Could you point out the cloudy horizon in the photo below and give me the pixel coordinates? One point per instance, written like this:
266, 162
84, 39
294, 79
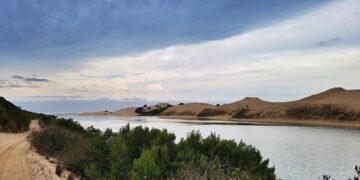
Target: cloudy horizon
158, 50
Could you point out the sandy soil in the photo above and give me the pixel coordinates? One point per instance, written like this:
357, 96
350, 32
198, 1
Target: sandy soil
130, 111
276, 122
314, 123
189, 109
18, 161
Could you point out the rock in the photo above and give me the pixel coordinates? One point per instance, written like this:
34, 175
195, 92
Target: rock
53, 160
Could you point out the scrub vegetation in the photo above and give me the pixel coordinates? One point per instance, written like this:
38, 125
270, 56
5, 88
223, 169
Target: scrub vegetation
13, 118
143, 153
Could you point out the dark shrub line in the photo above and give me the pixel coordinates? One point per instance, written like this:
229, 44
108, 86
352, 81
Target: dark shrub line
327, 111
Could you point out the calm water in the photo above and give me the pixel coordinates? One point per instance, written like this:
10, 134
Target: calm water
297, 152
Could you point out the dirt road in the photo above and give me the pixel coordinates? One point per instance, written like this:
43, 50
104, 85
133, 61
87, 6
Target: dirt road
18, 161
13, 157
14, 149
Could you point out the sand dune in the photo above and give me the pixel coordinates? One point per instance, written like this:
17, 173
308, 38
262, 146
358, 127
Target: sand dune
130, 111
190, 109
253, 103
338, 96
99, 113
254, 107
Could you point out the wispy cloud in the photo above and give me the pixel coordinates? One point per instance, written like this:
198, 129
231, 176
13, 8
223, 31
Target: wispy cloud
328, 42
84, 90
9, 84
30, 79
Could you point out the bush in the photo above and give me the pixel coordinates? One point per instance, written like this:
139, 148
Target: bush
327, 111
211, 112
145, 167
69, 124
54, 139
143, 153
152, 110
241, 112
13, 118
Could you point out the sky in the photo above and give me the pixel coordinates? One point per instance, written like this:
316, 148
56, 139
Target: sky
77, 52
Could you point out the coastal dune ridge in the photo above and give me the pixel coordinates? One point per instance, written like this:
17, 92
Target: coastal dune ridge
337, 107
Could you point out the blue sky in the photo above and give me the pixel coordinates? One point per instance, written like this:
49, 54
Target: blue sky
220, 50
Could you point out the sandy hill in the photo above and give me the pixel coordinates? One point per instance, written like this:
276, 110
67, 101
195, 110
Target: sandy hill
190, 109
130, 111
316, 98
338, 96
252, 103
252, 107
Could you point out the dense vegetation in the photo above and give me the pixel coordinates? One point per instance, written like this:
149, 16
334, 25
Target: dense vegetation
326, 111
211, 112
13, 118
143, 153
152, 110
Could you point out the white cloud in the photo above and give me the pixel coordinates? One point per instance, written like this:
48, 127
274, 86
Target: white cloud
155, 87
284, 57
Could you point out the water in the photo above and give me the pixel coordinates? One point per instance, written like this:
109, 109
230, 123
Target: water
298, 153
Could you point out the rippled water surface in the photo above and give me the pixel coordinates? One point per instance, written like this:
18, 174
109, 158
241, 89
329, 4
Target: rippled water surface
297, 152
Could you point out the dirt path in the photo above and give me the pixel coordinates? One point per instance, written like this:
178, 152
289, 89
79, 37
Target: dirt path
13, 155
13, 161
18, 161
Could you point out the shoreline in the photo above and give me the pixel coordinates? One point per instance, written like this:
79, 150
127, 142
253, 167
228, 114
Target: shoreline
278, 122
253, 121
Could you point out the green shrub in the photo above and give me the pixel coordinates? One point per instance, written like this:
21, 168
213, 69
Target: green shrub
145, 167
327, 111
54, 139
211, 112
13, 118
69, 124
241, 112
143, 153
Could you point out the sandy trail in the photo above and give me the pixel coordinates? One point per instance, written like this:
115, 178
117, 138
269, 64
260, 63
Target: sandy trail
13, 161
13, 155
18, 161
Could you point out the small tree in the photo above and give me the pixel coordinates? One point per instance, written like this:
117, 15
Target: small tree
145, 167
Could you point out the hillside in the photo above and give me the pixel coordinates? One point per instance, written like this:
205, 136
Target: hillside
190, 109
130, 111
336, 103
339, 96
13, 118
